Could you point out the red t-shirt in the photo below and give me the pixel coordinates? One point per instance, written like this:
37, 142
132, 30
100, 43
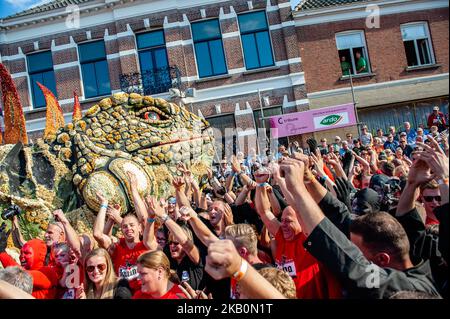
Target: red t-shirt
312, 280
171, 294
125, 262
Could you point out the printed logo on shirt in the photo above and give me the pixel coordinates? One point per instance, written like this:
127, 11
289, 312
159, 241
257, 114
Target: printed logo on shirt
128, 272
69, 294
185, 276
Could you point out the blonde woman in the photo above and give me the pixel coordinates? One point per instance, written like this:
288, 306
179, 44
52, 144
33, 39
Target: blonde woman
101, 281
158, 281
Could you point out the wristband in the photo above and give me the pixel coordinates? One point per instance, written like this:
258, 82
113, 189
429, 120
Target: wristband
150, 220
264, 184
442, 181
165, 218
105, 206
238, 275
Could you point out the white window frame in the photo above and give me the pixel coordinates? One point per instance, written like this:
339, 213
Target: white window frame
430, 45
366, 53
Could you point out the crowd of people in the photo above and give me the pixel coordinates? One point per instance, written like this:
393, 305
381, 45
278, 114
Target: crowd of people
363, 217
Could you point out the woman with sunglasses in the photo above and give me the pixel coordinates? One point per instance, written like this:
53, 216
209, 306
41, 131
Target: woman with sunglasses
184, 256
158, 281
100, 279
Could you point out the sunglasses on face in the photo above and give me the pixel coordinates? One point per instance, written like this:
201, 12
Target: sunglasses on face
100, 267
430, 198
175, 243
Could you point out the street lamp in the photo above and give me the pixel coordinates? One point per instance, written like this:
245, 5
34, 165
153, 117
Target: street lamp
358, 125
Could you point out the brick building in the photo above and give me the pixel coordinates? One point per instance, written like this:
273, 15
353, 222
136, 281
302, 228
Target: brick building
230, 52
406, 58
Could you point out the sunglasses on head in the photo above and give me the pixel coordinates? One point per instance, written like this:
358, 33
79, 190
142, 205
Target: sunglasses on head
430, 198
100, 267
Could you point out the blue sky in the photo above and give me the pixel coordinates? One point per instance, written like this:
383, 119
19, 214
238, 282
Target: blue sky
8, 7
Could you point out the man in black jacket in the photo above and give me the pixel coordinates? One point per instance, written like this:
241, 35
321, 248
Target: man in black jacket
375, 263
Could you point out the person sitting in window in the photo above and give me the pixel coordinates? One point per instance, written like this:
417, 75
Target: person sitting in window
345, 66
361, 63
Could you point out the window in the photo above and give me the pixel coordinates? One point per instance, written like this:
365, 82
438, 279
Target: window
209, 48
223, 126
416, 41
256, 40
94, 69
154, 64
353, 55
40, 69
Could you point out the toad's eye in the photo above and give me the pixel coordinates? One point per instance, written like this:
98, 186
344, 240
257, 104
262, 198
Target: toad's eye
152, 116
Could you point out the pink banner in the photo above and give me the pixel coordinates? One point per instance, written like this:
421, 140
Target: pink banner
323, 119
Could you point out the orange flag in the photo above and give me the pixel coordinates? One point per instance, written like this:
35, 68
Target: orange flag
77, 115
15, 129
55, 117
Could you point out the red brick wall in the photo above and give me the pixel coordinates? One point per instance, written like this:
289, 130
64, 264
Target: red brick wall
385, 49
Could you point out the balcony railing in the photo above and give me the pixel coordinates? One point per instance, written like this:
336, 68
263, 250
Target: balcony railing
151, 82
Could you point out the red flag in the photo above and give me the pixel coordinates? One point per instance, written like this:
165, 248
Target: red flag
15, 129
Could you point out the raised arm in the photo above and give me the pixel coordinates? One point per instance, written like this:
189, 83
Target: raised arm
102, 239
203, 233
179, 185
72, 237
8, 291
335, 162
262, 204
16, 233
139, 205
308, 212
223, 261
419, 174
188, 245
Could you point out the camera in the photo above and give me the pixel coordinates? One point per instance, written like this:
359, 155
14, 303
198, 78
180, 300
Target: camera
11, 211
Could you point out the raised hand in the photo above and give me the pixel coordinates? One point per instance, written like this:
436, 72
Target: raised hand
262, 175
343, 188
155, 207
419, 172
191, 293
59, 216
223, 259
178, 182
293, 172
102, 198
235, 166
133, 180
113, 213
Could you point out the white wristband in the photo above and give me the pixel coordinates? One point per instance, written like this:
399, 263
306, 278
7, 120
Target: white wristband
238, 275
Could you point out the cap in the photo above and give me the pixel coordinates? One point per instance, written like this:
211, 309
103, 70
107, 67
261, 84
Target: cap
436, 108
403, 134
